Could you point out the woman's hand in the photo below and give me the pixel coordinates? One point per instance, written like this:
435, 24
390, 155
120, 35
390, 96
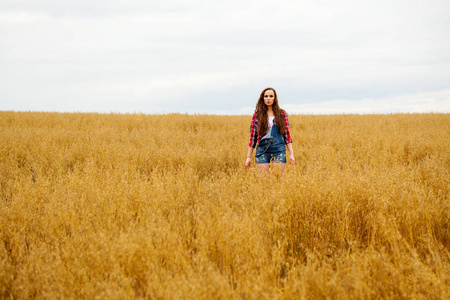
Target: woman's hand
291, 159
291, 153
248, 162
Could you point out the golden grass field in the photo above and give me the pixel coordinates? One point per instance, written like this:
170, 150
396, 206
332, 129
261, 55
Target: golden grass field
126, 206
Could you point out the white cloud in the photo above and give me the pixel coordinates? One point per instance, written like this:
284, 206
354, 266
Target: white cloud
21, 17
413, 103
61, 55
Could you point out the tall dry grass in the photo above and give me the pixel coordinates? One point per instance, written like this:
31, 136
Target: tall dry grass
161, 207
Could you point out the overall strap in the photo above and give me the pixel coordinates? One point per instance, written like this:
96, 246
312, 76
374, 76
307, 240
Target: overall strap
270, 140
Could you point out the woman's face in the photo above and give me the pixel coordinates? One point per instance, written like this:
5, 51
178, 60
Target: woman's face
269, 97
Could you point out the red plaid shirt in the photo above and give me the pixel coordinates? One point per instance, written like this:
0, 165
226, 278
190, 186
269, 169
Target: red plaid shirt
256, 138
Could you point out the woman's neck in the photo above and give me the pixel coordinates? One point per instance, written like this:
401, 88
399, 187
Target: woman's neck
270, 111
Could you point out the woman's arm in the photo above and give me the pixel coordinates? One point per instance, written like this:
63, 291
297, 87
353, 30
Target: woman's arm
291, 153
248, 162
253, 140
287, 133
288, 139
253, 132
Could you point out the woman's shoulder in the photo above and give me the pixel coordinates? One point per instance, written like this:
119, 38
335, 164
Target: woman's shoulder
283, 112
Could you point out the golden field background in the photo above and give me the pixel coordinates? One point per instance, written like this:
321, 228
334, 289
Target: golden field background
161, 207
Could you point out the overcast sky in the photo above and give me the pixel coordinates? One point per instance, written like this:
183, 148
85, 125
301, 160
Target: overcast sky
321, 56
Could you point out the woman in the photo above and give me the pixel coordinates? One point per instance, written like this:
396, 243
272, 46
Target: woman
270, 130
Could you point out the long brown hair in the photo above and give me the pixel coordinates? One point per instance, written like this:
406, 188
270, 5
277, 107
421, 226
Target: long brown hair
262, 117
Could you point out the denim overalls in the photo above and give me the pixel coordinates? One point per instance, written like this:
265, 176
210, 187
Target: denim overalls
271, 147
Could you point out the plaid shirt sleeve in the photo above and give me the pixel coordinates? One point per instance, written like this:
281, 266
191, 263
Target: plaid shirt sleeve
287, 134
253, 132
